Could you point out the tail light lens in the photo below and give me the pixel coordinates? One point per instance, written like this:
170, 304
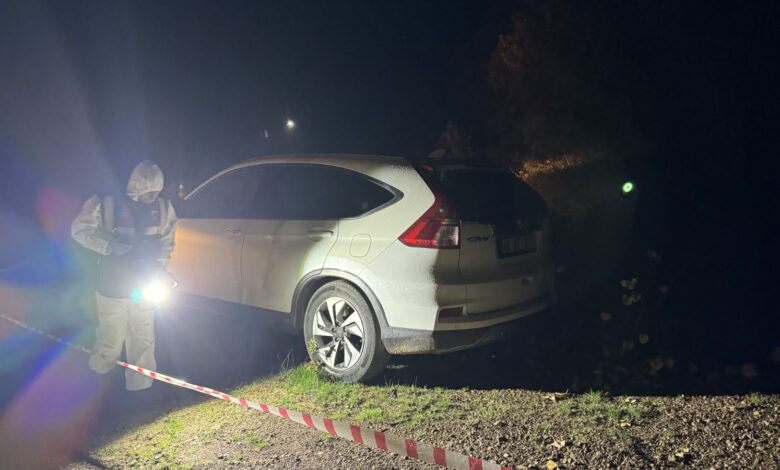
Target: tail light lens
438, 227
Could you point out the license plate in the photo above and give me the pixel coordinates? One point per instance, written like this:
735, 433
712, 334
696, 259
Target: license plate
513, 246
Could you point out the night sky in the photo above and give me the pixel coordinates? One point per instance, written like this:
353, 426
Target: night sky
90, 88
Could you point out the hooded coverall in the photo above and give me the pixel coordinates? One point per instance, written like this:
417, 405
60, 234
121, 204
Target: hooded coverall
105, 225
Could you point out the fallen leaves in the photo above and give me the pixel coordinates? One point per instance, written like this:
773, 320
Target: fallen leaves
559, 444
630, 299
629, 284
551, 465
606, 316
683, 455
556, 397
657, 364
644, 339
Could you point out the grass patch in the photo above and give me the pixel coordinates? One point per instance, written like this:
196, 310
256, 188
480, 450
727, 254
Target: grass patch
258, 443
252, 439
164, 450
376, 415
154, 445
308, 389
667, 436
628, 414
757, 398
493, 407
594, 398
634, 413
596, 413
566, 408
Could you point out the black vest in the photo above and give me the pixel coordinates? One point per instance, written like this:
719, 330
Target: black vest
119, 275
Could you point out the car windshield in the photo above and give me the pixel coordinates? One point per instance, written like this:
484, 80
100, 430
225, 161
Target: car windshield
491, 196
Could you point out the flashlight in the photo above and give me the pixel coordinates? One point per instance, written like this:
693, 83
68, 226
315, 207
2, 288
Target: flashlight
156, 290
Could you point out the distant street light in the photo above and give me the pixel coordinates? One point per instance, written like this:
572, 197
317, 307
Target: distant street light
628, 186
290, 124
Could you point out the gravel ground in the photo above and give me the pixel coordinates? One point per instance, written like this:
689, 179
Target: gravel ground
534, 430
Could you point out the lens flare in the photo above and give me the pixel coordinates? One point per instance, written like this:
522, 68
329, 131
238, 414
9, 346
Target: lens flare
155, 292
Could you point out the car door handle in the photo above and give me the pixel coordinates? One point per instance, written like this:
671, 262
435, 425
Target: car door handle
232, 232
319, 234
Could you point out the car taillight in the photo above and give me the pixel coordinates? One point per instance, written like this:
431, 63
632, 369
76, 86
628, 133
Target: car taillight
439, 227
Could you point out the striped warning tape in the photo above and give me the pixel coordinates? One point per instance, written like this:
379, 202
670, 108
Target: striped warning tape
371, 438
47, 335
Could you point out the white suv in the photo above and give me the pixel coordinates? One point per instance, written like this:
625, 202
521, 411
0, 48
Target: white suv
369, 256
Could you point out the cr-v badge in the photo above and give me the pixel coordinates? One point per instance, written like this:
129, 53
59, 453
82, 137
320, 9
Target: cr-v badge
479, 239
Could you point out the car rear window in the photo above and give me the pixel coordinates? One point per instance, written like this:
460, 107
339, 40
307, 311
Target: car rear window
490, 196
303, 191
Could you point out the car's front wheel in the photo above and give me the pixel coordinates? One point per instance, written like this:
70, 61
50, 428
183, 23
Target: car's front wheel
342, 333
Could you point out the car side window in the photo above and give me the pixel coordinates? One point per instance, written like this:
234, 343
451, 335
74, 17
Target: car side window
316, 192
286, 191
227, 197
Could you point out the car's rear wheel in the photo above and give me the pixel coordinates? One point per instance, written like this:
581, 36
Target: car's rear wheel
342, 333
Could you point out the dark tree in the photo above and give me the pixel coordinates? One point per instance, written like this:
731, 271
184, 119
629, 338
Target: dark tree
581, 77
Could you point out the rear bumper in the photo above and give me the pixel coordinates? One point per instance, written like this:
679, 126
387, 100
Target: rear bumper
412, 341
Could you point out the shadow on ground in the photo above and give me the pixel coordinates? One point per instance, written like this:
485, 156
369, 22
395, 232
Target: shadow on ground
203, 348
53, 408
550, 356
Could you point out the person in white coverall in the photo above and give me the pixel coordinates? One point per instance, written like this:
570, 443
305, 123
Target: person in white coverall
133, 234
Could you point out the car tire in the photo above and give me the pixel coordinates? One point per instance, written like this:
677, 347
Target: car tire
342, 333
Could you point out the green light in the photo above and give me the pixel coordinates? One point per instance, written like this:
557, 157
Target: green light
628, 187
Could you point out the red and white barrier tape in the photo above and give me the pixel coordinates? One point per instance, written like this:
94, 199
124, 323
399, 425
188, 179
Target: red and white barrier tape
47, 335
374, 439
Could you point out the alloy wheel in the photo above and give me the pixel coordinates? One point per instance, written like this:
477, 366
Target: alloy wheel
338, 333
